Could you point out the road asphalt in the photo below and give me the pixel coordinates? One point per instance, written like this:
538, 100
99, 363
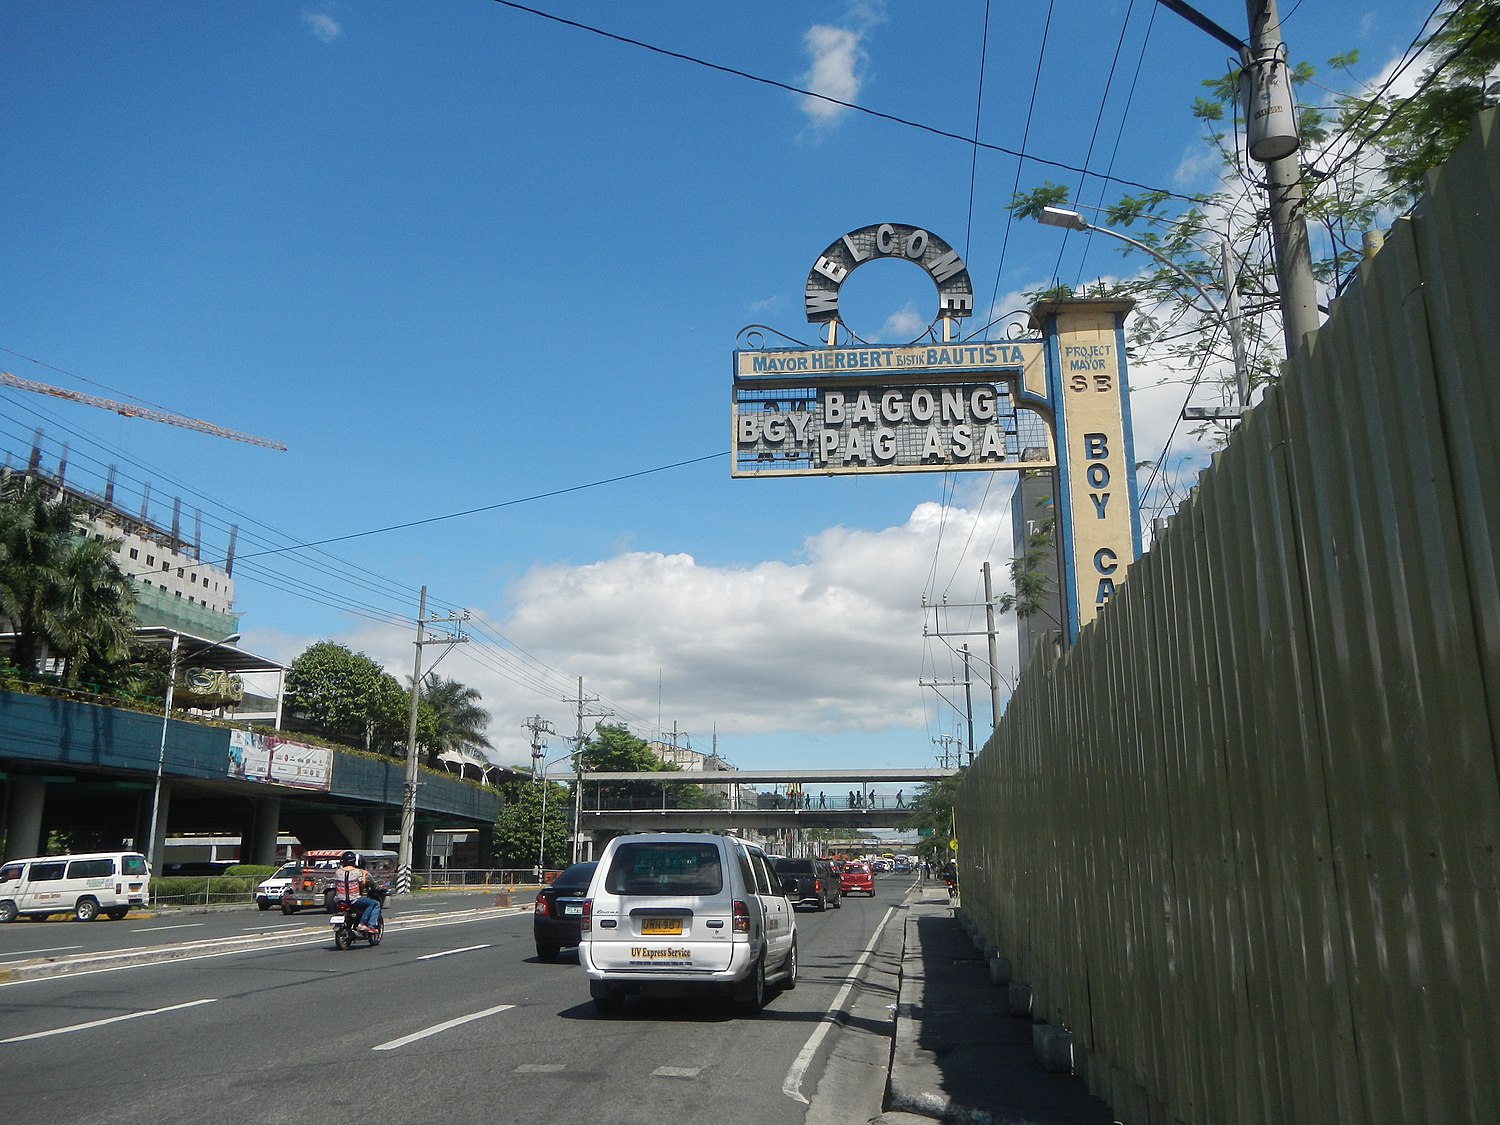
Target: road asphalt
958, 1054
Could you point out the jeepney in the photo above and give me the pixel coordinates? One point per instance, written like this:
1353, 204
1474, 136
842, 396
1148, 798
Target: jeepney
311, 885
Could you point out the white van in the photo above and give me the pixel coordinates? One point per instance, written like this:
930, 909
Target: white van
268, 892
82, 885
685, 911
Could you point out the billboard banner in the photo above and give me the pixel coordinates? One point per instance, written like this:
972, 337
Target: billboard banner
275, 761
939, 408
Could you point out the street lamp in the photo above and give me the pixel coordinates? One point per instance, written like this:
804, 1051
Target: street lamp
1072, 220
540, 775
161, 756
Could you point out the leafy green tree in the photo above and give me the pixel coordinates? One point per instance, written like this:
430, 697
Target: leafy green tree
63, 593
450, 718
1365, 155
613, 749
348, 697
519, 829
932, 813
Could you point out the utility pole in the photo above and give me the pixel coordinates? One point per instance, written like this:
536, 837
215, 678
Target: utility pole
584, 712
989, 631
409, 790
969, 702
1271, 127
989, 628
539, 726
1270, 96
948, 758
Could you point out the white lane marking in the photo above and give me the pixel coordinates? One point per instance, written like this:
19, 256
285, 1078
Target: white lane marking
159, 929
450, 952
259, 929
792, 1086
111, 1019
677, 1071
322, 937
446, 1025
539, 1068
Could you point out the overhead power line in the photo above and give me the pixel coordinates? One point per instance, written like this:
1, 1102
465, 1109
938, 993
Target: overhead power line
805, 93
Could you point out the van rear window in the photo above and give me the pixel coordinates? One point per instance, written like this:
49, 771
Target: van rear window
133, 865
665, 869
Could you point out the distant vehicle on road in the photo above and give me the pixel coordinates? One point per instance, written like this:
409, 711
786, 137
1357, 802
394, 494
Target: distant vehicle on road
809, 882
269, 891
857, 877
312, 886
107, 883
559, 909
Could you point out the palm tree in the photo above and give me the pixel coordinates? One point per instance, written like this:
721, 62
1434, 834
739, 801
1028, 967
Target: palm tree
94, 620
455, 719
62, 592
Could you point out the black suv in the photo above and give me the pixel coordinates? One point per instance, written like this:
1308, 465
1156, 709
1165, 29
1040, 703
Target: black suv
809, 882
559, 909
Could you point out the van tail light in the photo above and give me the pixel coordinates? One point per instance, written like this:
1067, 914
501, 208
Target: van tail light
817, 884
741, 917
586, 922
119, 890
540, 907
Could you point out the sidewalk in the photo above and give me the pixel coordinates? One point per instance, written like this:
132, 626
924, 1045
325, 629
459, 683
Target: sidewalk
958, 1054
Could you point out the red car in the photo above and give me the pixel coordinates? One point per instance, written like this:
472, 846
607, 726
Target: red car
857, 877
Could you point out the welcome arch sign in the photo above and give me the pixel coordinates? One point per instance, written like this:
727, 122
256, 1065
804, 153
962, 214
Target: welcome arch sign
1055, 400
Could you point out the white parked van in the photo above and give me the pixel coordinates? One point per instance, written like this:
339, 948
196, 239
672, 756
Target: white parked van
685, 911
268, 892
81, 885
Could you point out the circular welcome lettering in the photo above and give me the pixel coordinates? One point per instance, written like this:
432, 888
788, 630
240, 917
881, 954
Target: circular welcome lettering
937, 259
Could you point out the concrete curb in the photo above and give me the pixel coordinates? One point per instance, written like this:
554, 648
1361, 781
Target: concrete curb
958, 1055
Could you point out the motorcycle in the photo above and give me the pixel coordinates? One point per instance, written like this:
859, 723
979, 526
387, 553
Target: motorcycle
345, 923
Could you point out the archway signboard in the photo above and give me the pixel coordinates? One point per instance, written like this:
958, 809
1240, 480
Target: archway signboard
1055, 400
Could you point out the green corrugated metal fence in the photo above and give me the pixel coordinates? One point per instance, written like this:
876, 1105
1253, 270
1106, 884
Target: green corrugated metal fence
1241, 838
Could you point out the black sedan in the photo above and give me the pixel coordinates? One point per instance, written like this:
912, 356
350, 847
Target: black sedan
559, 906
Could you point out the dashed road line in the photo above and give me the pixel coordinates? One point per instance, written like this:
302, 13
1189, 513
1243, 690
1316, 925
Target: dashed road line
103, 1022
438, 1028
451, 952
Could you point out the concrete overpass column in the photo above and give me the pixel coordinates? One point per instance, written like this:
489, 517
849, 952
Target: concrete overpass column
23, 818
421, 860
486, 841
265, 826
374, 840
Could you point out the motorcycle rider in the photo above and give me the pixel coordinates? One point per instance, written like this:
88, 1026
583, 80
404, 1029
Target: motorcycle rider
349, 884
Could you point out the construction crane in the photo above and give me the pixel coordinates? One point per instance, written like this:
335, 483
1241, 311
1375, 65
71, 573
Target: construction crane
131, 411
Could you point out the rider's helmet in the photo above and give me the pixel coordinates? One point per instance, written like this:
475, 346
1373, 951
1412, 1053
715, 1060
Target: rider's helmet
349, 859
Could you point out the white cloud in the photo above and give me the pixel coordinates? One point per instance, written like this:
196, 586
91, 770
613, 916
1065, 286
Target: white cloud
831, 643
906, 323
321, 24
837, 58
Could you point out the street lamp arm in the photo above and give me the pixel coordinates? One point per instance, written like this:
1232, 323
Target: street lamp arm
161, 754
1072, 220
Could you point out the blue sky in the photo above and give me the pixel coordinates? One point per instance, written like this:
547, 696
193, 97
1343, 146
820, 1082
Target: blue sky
457, 256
